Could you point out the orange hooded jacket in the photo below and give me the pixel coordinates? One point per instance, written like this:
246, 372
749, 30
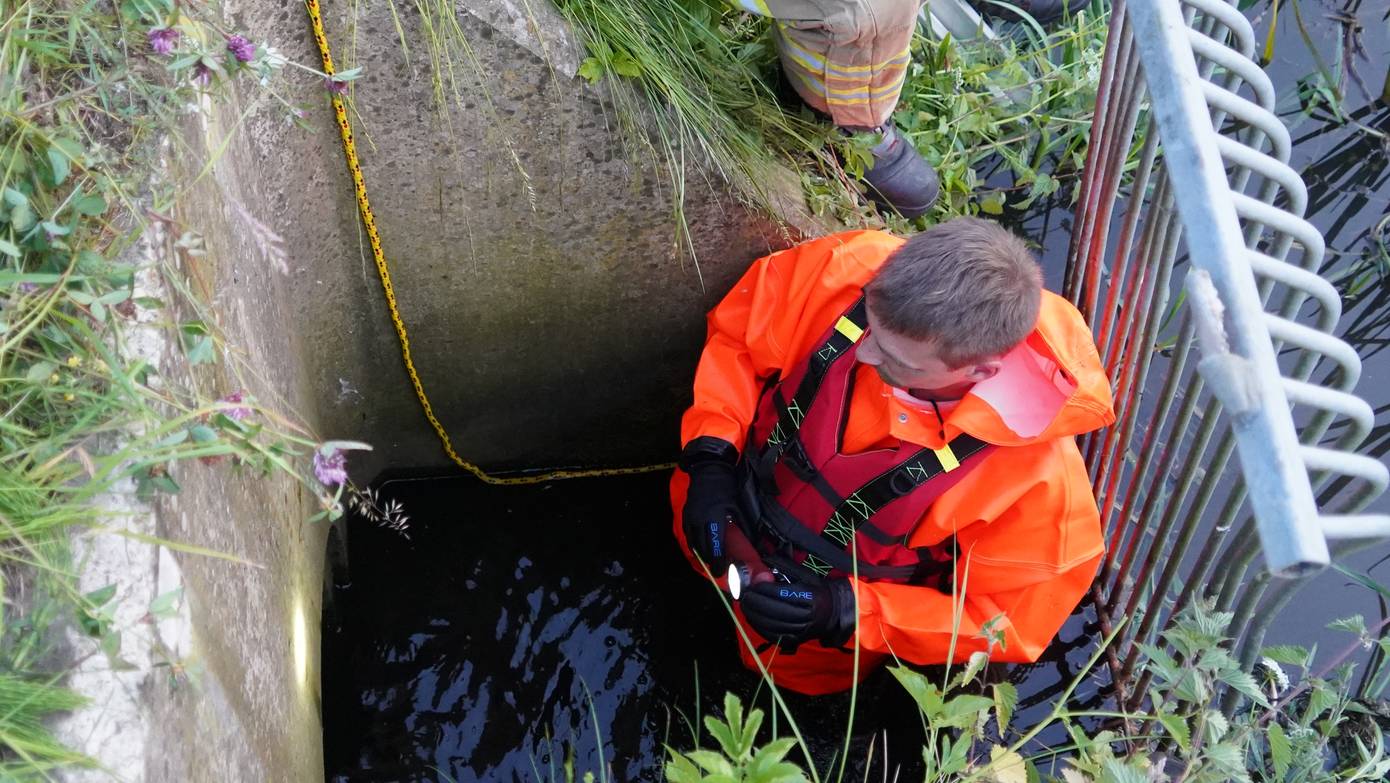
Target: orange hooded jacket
1025, 520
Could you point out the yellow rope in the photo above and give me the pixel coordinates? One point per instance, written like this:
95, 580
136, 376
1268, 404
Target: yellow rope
365, 208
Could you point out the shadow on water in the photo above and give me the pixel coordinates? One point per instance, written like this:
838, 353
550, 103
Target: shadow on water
522, 628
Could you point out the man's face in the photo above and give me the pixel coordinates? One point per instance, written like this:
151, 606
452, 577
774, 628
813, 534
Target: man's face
916, 364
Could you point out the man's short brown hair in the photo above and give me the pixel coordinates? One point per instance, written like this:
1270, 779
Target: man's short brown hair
970, 286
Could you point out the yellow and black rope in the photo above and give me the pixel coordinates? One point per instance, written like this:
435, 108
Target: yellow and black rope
364, 207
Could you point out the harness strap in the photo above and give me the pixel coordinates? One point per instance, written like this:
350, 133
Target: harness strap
790, 413
853, 512
821, 555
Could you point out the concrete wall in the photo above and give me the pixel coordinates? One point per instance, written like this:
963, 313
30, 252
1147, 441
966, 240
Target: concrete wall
553, 317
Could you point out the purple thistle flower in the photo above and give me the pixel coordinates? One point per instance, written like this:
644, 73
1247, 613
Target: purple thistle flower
28, 288
202, 75
331, 468
336, 86
163, 39
240, 411
243, 50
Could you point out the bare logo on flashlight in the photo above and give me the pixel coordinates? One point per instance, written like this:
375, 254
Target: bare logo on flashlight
805, 595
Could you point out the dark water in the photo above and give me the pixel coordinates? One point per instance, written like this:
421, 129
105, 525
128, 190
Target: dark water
520, 627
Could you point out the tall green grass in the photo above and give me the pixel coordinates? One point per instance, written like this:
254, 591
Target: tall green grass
84, 99
695, 81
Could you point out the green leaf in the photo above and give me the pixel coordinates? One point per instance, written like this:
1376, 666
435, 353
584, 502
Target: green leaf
927, 696
626, 65
591, 69
1243, 682
101, 596
166, 604
15, 198
9, 248
81, 297
1290, 654
22, 217
200, 351
165, 484
680, 769
202, 433
723, 734
1280, 750
977, 661
1177, 727
993, 204
711, 762
1116, 771
957, 758
39, 371
114, 297
90, 206
1355, 624
59, 162
966, 707
1005, 699
172, 439
1320, 699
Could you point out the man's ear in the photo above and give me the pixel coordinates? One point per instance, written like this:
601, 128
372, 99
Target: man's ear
983, 371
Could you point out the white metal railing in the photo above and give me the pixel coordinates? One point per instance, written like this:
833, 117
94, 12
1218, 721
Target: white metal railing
1212, 180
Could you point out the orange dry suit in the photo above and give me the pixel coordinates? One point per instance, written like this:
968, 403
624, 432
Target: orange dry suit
1009, 513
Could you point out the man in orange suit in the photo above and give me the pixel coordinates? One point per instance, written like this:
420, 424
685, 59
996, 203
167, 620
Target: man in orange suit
882, 437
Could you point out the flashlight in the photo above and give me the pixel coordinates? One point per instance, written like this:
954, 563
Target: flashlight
740, 576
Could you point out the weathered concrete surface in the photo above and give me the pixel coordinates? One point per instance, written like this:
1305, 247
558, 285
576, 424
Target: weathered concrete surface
553, 315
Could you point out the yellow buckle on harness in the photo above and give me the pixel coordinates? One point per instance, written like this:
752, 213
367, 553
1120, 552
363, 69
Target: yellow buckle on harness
849, 329
947, 458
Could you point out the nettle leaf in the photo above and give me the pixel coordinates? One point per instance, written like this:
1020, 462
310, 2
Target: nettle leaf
1005, 700
1320, 700
1355, 624
977, 661
927, 695
1290, 654
1243, 682
1280, 749
1162, 664
1006, 766
962, 710
1177, 727
1116, 771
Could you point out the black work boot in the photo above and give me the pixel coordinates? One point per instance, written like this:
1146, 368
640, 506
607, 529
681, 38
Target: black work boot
1042, 11
901, 178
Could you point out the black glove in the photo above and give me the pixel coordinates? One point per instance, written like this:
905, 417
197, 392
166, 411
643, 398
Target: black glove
790, 614
712, 500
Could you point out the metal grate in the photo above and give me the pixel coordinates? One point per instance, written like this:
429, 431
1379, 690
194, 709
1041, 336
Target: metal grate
1212, 194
